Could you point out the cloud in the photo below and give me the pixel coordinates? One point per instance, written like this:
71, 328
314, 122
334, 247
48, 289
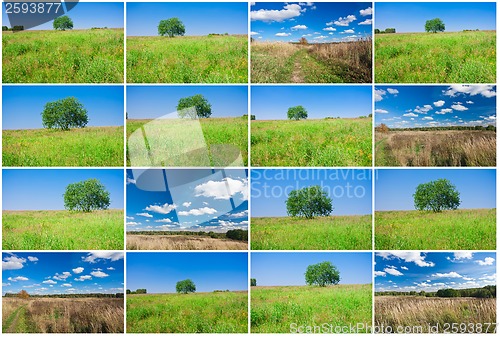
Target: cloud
393, 271
297, 27
129, 217
444, 111
78, 270
49, 282
469, 102
254, 33
133, 223
416, 257
146, 215
32, 258
321, 37
379, 273
93, 257
424, 109
366, 12
381, 111
198, 211
366, 22
224, 189
487, 91
439, 103
410, 114
166, 220
12, 262
344, 21
447, 275
18, 278
110, 268
289, 11
61, 277
186, 204
379, 93
348, 31
459, 107
486, 262
404, 268
83, 278
99, 274
462, 255
66, 285
131, 181
283, 34
161, 209
427, 118
392, 91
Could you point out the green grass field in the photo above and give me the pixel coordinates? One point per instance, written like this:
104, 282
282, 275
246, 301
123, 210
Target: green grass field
78, 56
321, 233
458, 57
325, 142
93, 146
467, 229
222, 312
62, 230
273, 309
189, 59
216, 131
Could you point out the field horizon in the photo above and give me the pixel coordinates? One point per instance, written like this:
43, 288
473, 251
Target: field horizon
181, 242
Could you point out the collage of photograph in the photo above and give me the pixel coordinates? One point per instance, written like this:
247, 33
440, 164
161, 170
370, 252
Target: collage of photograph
248, 167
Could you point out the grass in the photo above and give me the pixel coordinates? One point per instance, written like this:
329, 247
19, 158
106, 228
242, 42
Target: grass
274, 309
417, 311
327, 142
62, 315
78, 56
221, 312
466, 229
278, 62
321, 233
62, 230
435, 148
458, 57
181, 143
93, 146
189, 59
181, 242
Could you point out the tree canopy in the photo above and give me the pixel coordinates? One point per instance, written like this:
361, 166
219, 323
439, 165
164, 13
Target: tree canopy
185, 286
308, 202
434, 25
171, 27
322, 274
436, 196
200, 104
63, 23
86, 196
297, 112
64, 114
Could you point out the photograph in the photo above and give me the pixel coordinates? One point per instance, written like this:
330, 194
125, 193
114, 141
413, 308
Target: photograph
82, 44
306, 42
62, 209
435, 125
187, 209
435, 209
311, 126
62, 126
438, 292
311, 292
68, 292
435, 42
187, 42
311, 209
187, 292
187, 126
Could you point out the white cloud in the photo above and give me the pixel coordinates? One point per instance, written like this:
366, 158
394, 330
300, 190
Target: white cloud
404, 268
416, 257
321, 37
487, 91
297, 27
49, 282
379, 273
186, 204
83, 278
447, 275
166, 220
198, 211
444, 111
32, 258
381, 111
424, 109
133, 223
393, 271
18, 278
439, 103
161, 209
129, 217
379, 93
410, 114
110, 268
95, 256
392, 91
130, 181
254, 33
78, 270
330, 29
224, 189
348, 31
66, 285
12, 262
289, 11
469, 102
146, 215
366, 22
366, 12
99, 274
344, 21
283, 34
486, 262
427, 118
459, 107
61, 277
463, 255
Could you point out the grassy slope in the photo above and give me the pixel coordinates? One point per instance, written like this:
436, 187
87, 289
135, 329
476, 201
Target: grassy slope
202, 313
232, 131
190, 59
92, 146
329, 142
460, 57
62, 230
467, 229
330, 233
80, 56
273, 309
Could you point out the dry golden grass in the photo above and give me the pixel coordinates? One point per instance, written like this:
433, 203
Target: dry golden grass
435, 148
421, 311
181, 242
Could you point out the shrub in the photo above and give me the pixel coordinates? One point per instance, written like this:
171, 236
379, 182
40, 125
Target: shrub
23, 294
308, 202
237, 234
62, 23
322, 274
86, 196
253, 282
185, 286
64, 114
436, 196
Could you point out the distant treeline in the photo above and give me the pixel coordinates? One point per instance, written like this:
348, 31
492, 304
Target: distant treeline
386, 31
384, 128
138, 291
484, 292
98, 295
13, 29
234, 234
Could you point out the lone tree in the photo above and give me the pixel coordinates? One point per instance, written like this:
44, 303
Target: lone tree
86, 196
64, 114
171, 27
200, 104
322, 274
297, 112
23, 294
185, 286
434, 25
309, 202
253, 282
62, 23
436, 196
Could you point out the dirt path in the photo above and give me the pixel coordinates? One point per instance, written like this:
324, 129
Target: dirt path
297, 75
14, 320
306, 69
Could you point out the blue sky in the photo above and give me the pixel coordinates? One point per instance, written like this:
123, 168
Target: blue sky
156, 101
457, 16
191, 199
22, 105
159, 272
37, 189
86, 15
350, 190
199, 18
287, 269
417, 271
428, 106
394, 189
317, 22
63, 273
272, 102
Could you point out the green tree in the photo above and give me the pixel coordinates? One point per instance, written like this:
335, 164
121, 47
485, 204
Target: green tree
297, 112
253, 282
308, 202
62, 23
86, 196
322, 274
64, 114
202, 108
434, 25
171, 27
185, 286
436, 196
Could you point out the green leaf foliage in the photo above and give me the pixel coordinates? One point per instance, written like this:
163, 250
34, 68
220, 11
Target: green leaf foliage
62, 23
185, 286
436, 196
297, 112
171, 27
86, 196
64, 114
434, 25
200, 104
309, 202
322, 274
